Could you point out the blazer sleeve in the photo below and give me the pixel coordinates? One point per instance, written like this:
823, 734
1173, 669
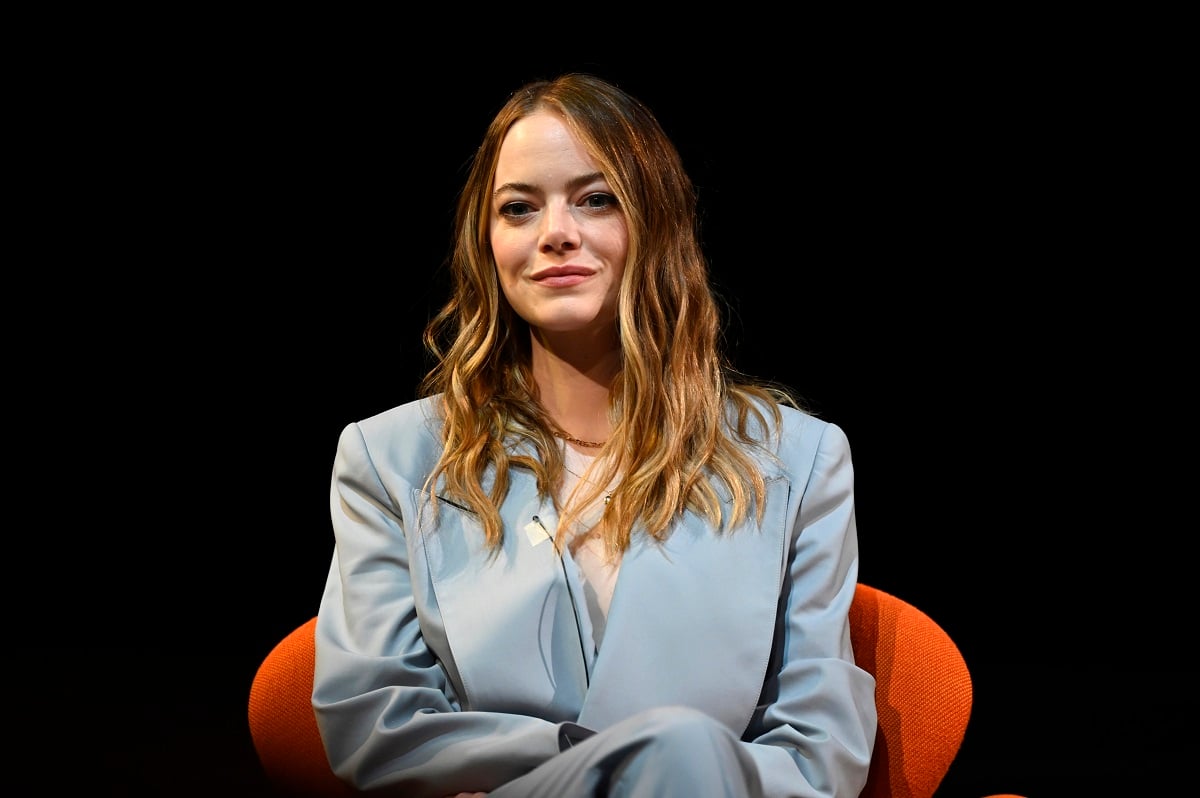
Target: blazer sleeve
387, 712
817, 717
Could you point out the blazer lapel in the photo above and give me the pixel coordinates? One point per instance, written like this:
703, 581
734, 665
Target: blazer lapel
509, 618
698, 597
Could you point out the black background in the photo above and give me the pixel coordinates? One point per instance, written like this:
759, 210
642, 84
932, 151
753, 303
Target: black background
237, 240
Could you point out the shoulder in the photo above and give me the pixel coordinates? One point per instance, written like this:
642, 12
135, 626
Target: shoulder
799, 426
801, 438
418, 417
406, 437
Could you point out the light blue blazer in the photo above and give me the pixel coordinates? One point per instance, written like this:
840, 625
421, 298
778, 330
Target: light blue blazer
441, 667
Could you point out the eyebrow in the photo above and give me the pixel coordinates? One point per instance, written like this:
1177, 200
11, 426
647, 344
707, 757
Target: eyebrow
530, 188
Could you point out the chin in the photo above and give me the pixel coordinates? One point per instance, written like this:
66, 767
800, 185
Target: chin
572, 322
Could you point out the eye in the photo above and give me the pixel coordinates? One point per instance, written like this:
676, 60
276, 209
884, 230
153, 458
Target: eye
600, 201
516, 210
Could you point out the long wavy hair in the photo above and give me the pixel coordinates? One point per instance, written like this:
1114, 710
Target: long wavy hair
683, 419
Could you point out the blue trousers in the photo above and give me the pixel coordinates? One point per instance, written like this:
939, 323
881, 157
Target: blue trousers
668, 752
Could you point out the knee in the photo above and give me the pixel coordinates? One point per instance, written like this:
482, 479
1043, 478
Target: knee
684, 728
682, 752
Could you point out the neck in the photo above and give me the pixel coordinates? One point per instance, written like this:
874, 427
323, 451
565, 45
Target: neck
573, 385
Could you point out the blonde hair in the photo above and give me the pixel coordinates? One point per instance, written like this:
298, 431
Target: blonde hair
683, 420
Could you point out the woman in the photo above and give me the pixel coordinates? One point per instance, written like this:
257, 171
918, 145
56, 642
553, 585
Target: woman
591, 558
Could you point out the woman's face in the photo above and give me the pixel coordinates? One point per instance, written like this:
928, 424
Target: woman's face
558, 236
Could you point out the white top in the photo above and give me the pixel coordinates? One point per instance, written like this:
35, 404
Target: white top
598, 574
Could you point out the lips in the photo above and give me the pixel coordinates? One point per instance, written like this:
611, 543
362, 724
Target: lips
562, 271
562, 276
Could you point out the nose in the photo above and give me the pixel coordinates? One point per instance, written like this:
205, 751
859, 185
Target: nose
560, 229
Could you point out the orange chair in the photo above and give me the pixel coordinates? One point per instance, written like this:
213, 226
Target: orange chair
282, 724
923, 695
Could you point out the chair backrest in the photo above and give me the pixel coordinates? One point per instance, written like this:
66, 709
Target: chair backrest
923, 695
282, 724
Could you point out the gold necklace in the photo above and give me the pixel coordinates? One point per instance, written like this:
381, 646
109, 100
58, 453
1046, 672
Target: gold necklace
578, 442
